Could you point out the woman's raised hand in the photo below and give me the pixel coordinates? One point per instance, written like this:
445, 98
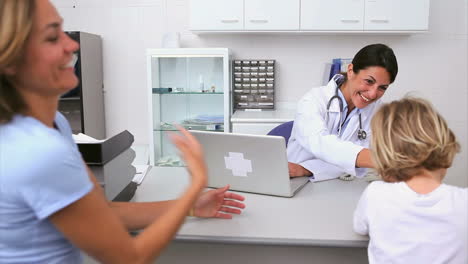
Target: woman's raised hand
192, 154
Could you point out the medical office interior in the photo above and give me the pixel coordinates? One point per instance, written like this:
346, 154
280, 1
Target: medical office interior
433, 64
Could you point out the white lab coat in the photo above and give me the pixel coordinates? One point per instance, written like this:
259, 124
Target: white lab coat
315, 144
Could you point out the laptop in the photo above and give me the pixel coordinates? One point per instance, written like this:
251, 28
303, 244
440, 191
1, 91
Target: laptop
248, 163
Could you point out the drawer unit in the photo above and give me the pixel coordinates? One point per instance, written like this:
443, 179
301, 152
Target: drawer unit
254, 84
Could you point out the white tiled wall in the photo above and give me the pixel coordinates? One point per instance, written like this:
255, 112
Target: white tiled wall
433, 65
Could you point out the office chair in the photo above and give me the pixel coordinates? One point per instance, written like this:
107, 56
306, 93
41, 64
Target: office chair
283, 130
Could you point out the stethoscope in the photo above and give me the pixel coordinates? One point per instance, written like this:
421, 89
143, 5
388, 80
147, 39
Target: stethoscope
339, 80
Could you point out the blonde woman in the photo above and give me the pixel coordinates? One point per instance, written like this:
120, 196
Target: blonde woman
50, 203
411, 216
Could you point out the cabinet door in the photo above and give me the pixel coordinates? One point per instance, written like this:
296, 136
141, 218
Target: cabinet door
216, 14
332, 14
253, 128
189, 87
396, 15
272, 14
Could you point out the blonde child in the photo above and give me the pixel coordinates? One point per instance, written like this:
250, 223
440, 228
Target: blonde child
411, 216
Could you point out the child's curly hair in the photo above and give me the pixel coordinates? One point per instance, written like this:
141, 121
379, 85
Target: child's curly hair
409, 135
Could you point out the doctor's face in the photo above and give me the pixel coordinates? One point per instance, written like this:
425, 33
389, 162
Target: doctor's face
366, 86
47, 68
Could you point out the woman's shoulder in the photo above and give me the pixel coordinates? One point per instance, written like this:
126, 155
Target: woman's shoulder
324, 89
318, 94
31, 147
25, 132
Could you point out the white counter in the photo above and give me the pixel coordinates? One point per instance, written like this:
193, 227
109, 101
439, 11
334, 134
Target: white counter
316, 223
259, 122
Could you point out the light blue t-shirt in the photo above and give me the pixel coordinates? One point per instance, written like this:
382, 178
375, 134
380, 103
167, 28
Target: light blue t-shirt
41, 172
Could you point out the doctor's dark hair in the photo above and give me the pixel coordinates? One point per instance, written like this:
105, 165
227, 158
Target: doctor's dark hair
376, 55
16, 22
409, 135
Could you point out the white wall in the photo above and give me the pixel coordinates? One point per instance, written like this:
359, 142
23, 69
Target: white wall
433, 65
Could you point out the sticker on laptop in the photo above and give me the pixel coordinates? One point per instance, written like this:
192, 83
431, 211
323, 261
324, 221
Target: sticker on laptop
239, 166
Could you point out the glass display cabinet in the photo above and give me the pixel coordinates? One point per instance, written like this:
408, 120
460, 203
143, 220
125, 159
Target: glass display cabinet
189, 87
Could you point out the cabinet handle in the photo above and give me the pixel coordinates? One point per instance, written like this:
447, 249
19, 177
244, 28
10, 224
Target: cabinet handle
259, 21
350, 20
229, 21
379, 20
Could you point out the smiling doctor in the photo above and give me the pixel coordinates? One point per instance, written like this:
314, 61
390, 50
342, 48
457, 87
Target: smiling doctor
330, 136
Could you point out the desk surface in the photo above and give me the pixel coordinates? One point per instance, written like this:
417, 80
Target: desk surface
319, 215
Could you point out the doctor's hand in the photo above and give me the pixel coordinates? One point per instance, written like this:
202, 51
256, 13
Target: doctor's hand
296, 170
218, 203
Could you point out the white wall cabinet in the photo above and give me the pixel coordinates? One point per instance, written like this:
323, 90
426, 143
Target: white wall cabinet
366, 15
271, 14
396, 15
244, 15
217, 14
332, 15
309, 15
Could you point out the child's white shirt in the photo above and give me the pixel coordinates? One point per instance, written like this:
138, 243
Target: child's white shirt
407, 227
